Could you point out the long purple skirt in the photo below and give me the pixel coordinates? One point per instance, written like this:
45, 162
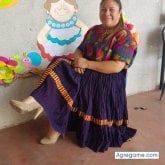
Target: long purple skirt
92, 104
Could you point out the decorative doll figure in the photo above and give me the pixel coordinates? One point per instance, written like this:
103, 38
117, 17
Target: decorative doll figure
63, 32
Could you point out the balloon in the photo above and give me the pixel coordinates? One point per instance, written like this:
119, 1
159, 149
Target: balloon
17, 64
6, 73
4, 59
2, 64
35, 58
7, 3
6, 70
8, 81
1, 82
11, 63
19, 69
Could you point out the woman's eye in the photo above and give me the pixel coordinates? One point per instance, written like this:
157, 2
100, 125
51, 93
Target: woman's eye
103, 9
112, 10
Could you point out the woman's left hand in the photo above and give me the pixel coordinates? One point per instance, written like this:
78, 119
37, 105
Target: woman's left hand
81, 63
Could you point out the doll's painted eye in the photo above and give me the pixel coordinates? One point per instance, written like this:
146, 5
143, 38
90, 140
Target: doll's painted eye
26, 60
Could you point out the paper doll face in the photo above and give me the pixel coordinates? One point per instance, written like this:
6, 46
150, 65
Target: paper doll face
62, 11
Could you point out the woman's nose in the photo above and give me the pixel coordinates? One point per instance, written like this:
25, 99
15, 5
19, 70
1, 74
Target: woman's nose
107, 12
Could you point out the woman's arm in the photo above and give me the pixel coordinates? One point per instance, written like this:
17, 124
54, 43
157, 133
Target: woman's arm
106, 66
101, 66
77, 54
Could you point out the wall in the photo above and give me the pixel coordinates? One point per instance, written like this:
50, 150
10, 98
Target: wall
144, 74
19, 26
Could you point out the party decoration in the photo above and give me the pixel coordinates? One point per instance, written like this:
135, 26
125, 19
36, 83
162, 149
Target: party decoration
19, 69
131, 28
7, 67
26, 61
35, 59
7, 3
18, 66
63, 31
133, 31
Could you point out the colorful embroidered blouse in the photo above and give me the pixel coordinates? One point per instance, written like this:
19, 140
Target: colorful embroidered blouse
98, 46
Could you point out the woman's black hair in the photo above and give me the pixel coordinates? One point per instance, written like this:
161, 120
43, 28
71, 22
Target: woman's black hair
117, 1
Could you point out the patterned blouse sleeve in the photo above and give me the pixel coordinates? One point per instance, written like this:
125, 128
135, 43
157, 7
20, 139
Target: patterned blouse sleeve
84, 42
125, 48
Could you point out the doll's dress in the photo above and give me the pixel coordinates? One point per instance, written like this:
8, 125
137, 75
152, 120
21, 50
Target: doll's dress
63, 38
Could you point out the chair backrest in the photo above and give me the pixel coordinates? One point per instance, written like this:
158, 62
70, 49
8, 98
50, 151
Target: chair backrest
163, 60
163, 34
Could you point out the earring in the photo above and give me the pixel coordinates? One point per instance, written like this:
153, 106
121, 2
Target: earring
47, 12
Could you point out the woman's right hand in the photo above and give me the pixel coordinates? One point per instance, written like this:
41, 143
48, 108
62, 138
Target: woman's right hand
79, 70
78, 54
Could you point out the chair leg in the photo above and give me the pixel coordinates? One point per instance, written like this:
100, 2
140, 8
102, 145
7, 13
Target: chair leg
162, 92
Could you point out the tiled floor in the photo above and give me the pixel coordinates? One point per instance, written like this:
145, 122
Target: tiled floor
19, 145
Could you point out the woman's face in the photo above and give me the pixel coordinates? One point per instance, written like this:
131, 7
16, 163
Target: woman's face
62, 11
109, 13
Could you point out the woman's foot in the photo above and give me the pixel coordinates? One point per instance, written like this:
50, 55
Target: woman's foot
51, 138
27, 106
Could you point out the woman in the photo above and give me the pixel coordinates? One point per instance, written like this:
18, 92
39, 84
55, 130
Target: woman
88, 95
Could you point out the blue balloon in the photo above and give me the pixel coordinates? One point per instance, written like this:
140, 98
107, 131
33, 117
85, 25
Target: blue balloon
35, 58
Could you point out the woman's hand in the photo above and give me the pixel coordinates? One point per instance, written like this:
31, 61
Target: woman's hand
80, 64
79, 70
